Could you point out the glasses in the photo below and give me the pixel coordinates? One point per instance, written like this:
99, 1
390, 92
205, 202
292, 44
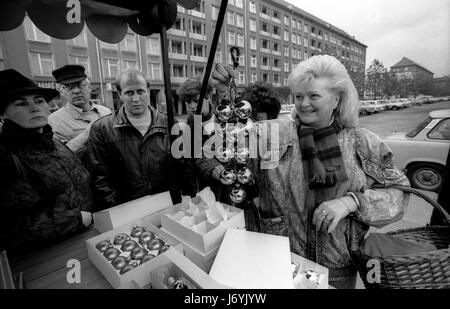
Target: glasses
80, 85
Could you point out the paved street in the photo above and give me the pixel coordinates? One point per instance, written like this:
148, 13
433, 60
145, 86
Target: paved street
403, 120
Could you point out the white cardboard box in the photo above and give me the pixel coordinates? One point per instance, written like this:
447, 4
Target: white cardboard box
249, 260
211, 235
178, 265
204, 260
305, 264
116, 216
141, 274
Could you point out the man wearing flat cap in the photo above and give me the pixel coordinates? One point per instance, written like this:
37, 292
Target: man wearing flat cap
71, 123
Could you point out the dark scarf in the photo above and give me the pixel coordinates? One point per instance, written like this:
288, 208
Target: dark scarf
320, 148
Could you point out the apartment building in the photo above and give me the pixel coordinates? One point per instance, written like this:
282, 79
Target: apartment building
272, 35
406, 68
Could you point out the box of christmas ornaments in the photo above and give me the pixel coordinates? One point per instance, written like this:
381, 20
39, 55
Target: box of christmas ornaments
202, 222
130, 252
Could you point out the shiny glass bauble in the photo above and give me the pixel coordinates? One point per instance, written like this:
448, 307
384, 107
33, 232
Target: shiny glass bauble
244, 176
228, 176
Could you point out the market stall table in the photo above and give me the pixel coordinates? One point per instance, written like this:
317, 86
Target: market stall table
47, 268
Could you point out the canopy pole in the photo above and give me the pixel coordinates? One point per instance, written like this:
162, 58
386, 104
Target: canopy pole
212, 54
167, 83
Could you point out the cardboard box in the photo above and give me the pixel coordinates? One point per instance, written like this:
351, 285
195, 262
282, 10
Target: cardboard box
178, 265
116, 216
206, 236
203, 260
249, 260
141, 274
304, 265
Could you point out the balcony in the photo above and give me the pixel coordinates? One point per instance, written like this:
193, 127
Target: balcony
265, 16
313, 34
178, 80
176, 32
276, 53
197, 36
320, 37
276, 20
262, 32
265, 67
197, 14
276, 36
199, 58
265, 50
178, 56
180, 9
275, 69
276, 84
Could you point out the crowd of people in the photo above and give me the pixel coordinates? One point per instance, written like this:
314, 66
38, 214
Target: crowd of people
332, 181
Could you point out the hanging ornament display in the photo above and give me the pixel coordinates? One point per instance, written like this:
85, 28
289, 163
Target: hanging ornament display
234, 125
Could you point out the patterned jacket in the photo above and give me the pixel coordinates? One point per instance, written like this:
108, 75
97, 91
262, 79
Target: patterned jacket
370, 168
43, 188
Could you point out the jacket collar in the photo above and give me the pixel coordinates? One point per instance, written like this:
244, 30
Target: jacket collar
15, 135
76, 111
159, 120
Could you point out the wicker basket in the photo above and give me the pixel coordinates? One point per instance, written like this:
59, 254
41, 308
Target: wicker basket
428, 270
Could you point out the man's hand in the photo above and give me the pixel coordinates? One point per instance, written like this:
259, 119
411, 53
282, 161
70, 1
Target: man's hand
217, 171
220, 78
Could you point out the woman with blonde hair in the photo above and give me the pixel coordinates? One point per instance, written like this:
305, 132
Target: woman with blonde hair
334, 178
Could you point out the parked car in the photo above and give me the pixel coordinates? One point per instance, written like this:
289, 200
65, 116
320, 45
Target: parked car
367, 108
382, 104
422, 153
376, 107
407, 102
396, 104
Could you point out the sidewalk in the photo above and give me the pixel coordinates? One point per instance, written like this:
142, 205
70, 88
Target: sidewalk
418, 214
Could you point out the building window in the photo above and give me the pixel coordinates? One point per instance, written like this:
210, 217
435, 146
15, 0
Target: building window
299, 25
111, 67
178, 70
108, 46
265, 44
294, 53
128, 43
265, 61
239, 21
276, 14
80, 40
197, 50
286, 66
177, 47
252, 25
306, 28
254, 62
231, 38
241, 78
265, 27
154, 70
214, 12
33, 33
276, 63
294, 24
299, 40
197, 27
254, 77
286, 51
276, 78
305, 41
286, 20
196, 71
252, 7
218, 58
230, 18
285, 81
240, 40
253, 43
179, 24
129, 64
265, 77
154, 47
294, 38
41, 64
239, 4
81, 60
276, 30
276, 47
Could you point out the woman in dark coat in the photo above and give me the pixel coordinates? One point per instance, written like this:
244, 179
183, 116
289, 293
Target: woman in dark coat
45, 193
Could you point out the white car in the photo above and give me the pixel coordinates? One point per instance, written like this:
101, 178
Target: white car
396, 104
422, 153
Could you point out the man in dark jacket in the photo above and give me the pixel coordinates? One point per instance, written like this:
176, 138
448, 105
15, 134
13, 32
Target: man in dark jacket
129, 151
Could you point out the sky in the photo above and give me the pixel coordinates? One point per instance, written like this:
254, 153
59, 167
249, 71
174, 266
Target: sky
392, 29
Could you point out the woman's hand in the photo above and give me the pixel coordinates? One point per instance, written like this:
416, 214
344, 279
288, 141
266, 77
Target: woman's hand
220, 78
86, 218
327, 216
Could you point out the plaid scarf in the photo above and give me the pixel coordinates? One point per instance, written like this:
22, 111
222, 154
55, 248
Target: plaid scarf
320, 148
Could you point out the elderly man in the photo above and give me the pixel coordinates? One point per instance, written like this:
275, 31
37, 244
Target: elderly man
128, 152
71, 123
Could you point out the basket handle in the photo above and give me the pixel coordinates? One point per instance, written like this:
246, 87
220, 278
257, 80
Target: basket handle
434, 203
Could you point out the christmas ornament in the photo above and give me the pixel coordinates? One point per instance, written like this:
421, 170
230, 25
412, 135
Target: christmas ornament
111, 253
146, 237
119, 262
163, 249
224, 112
224, 155
129, 245
138, 253
103, 245
228, 176
242, 110
137, 231
120, 238
147, 258
237, 195
128, 267
242, 155
155, 244
244, 176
